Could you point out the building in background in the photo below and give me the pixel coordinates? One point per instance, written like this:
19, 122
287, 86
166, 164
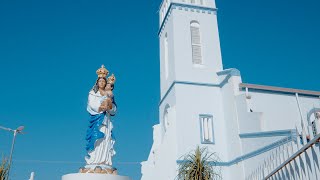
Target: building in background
254, 129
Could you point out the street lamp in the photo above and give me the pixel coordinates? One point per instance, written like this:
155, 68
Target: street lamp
15, 132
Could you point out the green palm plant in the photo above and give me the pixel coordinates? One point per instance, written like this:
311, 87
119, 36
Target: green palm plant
4, 167
199, 165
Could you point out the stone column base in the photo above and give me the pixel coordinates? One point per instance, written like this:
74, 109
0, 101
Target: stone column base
92, 176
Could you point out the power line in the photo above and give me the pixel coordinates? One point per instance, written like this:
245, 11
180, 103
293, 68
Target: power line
72, 162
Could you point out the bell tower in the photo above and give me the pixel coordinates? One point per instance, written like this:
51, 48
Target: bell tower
191, 104
189, 42
191, 107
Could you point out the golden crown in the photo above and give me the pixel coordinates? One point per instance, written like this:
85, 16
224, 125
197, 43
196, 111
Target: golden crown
111, 79
102, 72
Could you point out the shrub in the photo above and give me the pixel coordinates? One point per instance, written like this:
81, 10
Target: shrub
199, 165
4, 167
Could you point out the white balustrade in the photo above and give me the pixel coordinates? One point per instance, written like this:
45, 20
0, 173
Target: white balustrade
296, 159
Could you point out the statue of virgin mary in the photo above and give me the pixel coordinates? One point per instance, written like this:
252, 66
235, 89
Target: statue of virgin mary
100, 141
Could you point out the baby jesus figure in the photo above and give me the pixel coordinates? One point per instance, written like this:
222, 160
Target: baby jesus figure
107, 103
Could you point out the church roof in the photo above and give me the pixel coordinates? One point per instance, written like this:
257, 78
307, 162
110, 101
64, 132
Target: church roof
279, 89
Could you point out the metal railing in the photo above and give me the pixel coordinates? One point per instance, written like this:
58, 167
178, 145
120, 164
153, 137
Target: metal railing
298, 159
303, 151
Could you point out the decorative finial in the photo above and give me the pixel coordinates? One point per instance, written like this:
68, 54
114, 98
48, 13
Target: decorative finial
102, 72
111, 79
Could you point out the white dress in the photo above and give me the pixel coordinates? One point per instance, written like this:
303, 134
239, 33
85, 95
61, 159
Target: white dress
103, 148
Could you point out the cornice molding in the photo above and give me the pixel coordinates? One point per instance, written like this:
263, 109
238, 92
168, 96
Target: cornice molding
187, 7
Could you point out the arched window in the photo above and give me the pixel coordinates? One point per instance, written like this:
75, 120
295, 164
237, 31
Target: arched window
195, 42
313, 118
315, 124
166, 118
166, 56
314, 128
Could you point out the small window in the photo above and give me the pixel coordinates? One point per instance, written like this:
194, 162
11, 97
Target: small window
166, 118
206, 127
193, 1
195, 42
162, 15
166, 56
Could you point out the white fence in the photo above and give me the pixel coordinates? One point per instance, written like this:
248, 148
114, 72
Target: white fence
298, 159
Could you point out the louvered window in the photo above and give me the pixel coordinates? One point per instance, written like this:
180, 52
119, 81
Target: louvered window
206, 126
196, 43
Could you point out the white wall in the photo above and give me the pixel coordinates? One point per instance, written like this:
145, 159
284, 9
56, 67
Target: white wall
166, 82
211, 55
161, 163
272, 111
233, 143
280, 111
192, 101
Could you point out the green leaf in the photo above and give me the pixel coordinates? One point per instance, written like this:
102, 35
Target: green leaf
195, 166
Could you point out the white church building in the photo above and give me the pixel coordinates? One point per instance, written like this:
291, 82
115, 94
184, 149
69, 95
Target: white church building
257, 131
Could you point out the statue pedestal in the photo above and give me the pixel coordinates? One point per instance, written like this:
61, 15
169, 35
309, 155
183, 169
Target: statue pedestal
92, 176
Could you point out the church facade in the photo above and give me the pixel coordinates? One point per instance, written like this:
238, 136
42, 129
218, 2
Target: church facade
204, 105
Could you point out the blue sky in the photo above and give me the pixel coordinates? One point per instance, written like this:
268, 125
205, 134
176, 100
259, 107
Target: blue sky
50, 50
